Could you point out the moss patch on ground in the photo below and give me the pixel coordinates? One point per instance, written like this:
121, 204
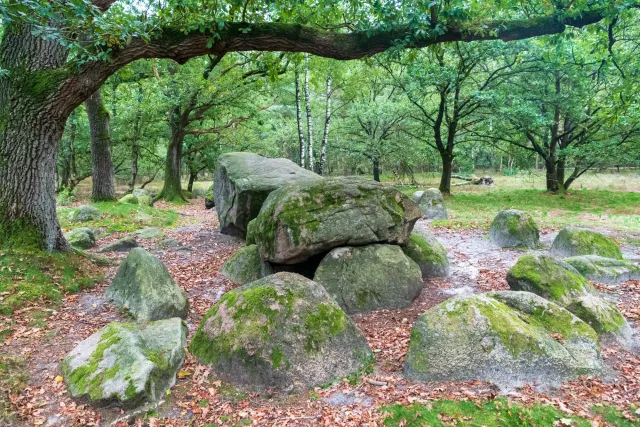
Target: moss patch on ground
13, 379
499, 412
121, 217
29, 275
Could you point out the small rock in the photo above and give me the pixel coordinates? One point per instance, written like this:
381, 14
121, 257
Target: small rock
122, 245
431, 203
169, 243
85, 213
512, 228
129, 199
82, 238
149, 233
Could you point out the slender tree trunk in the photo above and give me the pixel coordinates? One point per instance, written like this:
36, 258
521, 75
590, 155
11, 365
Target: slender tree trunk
376, 169
327, 124
307, 100
192, 178
172, 188
552, 180
68, 155
447, 169
135, 147
31, 126
103, 187
303, 145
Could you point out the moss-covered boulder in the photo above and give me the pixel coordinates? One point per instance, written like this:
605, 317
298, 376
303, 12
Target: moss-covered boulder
144, 196
573, 241
428, 253
507, 338
169, 243
373, 277
609, 271
81, 237
85, 213
512, 228
246, 266
242, 182
281, 331
144, 286
121, 245
549, 277
297, 222
129, 199
555, 280
431, 203
149, 233
603, 316
125, 363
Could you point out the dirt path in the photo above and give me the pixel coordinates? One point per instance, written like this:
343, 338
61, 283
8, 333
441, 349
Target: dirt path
477, 266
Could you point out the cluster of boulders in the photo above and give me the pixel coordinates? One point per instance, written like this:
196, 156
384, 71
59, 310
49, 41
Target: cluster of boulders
354, 240
129, 363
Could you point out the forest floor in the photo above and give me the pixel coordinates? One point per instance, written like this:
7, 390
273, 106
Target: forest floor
38, 343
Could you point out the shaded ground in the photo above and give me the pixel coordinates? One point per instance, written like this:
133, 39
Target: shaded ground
198, 398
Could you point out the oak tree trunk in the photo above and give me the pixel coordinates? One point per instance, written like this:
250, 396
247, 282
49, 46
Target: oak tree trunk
376, 170
172, 188
447, 169
103, 187
31, 126
552, 179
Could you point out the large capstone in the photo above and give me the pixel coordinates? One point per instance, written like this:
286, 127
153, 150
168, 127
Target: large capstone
428, 253
85, 213
431, 203
573, 241
547, 276
609, 271
555, 280
299, 221
81, 237
281, 331
144, 286
507, 338
373, 277
246, 266
512, 228
243, 181
126, 363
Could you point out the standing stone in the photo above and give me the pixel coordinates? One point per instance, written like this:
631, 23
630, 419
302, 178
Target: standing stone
126, 363
373, 277
573, 241
282, 331
144, 286
428, 253
431, 203
81, 237
507, 338
513, 228
299, 221
243, 181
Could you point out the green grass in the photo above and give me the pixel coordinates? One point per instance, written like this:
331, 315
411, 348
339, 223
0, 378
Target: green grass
496, 413
613, 209
13, 378
31, 275
120, 217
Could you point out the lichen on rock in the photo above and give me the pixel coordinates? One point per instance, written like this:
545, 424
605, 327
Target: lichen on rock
281, 331
431, 203
514, 228
609, 271
508, 338
428, 253
246, 266
125, 363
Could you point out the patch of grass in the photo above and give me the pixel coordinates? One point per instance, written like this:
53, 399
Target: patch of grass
31, 275
13, 379
121, 217
615, 417
613, 209
496, 413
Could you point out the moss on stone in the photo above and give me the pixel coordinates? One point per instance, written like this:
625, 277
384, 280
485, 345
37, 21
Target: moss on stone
573, 241
321, 325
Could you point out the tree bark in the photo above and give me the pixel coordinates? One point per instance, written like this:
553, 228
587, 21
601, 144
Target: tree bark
376, 169
307, 100
31, 126
447, 168
172, 187
192, 178
68, 172
303, 145
103, 182
327, 124
552, 179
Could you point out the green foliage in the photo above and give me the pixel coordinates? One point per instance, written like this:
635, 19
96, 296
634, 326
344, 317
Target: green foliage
498, 412
121, 217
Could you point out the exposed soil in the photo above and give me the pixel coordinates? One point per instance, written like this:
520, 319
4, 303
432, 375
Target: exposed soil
198, 398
